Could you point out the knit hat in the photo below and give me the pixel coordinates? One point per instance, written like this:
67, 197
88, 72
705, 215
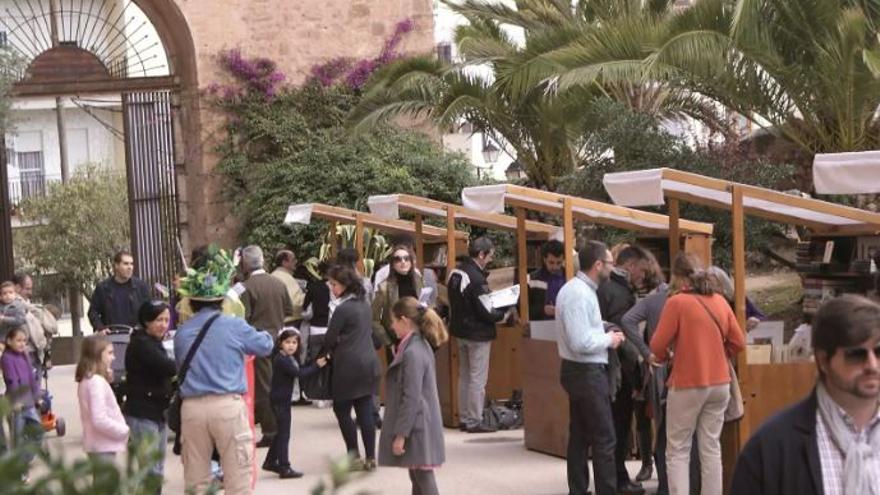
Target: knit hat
210, 280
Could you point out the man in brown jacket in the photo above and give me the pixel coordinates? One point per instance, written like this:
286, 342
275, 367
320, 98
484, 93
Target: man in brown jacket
267, 304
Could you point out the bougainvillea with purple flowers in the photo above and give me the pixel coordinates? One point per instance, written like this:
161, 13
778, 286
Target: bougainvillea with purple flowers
258, 77
355, 73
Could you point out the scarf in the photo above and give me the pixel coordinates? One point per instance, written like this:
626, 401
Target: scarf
856, 449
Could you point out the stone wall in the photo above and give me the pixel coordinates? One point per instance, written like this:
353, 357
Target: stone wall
297, 34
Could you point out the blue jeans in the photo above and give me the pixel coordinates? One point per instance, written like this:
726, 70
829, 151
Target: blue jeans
28, 431
141, 430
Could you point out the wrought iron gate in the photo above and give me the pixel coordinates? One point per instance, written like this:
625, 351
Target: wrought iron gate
152, 184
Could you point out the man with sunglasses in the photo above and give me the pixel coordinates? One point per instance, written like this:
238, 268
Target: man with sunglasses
829, 443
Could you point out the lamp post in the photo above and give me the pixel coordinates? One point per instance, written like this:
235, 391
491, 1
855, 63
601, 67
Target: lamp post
490, 154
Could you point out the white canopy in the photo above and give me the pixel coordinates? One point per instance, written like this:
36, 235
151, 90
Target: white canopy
390, 206
650, 187
847, 173
495, 197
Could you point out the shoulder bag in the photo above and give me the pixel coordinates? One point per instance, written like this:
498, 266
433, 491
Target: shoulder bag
173, 414
735, 407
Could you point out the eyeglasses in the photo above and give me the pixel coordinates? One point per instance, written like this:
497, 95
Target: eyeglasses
608, 262
859, 355
400, 259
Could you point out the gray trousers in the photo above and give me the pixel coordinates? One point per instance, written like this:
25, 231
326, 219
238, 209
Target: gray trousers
423, 482
473, 373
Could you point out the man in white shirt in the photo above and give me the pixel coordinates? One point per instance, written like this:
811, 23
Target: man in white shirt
583, 347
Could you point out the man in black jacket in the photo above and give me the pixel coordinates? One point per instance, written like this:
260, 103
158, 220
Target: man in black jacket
117, 299
827, 444
473, 325
616, 296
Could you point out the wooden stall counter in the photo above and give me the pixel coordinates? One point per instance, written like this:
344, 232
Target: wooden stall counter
545, 403
505, 371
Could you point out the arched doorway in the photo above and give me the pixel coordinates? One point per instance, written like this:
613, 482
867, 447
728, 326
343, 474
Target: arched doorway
142, 52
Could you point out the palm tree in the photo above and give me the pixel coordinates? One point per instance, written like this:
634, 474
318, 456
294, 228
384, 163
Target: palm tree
802, 69
510, 89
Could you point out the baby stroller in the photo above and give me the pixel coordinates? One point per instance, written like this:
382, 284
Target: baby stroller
119, 336
48, 418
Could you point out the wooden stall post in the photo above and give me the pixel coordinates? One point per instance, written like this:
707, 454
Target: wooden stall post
568, 236
674, 234
522, 259
740, 430
453, 345
359, 242
334, 241
420, 244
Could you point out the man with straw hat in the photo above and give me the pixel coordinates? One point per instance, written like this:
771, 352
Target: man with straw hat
214, 347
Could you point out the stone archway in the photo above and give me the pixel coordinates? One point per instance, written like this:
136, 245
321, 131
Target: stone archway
67, 68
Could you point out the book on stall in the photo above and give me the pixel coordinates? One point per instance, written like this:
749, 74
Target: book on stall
501, 298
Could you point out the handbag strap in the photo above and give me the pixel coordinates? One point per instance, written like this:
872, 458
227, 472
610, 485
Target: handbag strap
712, 315
181, 375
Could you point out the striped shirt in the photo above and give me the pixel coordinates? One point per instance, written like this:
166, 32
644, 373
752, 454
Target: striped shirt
831, 458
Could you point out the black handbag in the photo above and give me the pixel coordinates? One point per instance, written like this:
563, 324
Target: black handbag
173, 413
317, 385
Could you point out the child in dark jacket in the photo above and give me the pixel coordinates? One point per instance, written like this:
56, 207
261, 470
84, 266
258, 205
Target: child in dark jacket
285, 370
23, 389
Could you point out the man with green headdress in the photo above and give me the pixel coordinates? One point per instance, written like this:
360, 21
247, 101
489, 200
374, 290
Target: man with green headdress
214, 412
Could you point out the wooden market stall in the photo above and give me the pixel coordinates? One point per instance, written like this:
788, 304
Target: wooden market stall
545, 402
767, 388
505, 359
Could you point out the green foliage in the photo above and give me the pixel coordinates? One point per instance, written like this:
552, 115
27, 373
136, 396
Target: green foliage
10, 71
639, 141
76, 228
294, 149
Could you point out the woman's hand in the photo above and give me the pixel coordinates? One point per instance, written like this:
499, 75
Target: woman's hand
397, 445
322, 361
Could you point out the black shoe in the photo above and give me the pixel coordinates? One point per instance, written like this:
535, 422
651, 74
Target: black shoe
462, 427
630, 487
265, 442
481, 429
645, 473
288, 473
302, 401
272, 468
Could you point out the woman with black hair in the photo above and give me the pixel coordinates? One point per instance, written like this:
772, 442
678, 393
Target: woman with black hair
403, 281
149, 372
355, 376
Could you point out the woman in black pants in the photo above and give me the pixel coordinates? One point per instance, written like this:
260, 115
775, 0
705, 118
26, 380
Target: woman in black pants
355, 376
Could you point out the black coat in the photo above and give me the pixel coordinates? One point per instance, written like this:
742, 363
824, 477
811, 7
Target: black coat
616, 297
149, 371
469, 319
113, 303
782, 457
349, 339
285, 370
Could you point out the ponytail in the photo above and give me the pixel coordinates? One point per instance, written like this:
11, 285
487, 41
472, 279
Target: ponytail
429, 323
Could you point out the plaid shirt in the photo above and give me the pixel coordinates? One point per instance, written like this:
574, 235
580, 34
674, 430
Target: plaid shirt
831, 458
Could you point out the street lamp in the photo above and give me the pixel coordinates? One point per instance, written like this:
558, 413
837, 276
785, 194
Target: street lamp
515, 171
490, 152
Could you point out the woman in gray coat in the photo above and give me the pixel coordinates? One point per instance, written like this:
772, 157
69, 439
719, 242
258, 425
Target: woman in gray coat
412, 433
354, 377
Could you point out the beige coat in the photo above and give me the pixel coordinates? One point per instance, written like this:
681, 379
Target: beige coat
293, 290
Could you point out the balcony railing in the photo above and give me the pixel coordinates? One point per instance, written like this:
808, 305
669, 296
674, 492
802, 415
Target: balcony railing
29, 184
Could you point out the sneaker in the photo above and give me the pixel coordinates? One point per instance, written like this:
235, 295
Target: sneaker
370, 465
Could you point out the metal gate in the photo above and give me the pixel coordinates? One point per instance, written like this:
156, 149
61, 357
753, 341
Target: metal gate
152, 184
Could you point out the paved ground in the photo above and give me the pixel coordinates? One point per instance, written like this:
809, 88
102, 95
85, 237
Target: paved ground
476, 464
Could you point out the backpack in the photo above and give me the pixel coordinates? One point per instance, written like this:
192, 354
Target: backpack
506, 415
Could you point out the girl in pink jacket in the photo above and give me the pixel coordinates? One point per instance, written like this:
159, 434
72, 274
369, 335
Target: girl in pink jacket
104, 430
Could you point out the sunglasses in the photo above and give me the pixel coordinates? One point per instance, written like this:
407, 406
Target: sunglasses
859, 355
400, 259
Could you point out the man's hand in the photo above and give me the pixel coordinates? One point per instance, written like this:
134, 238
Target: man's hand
397, 445
751, 323
322, 361
549, 310
617, 338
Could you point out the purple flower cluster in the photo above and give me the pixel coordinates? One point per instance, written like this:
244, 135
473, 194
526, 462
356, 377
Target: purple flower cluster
259, 76
357, 73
